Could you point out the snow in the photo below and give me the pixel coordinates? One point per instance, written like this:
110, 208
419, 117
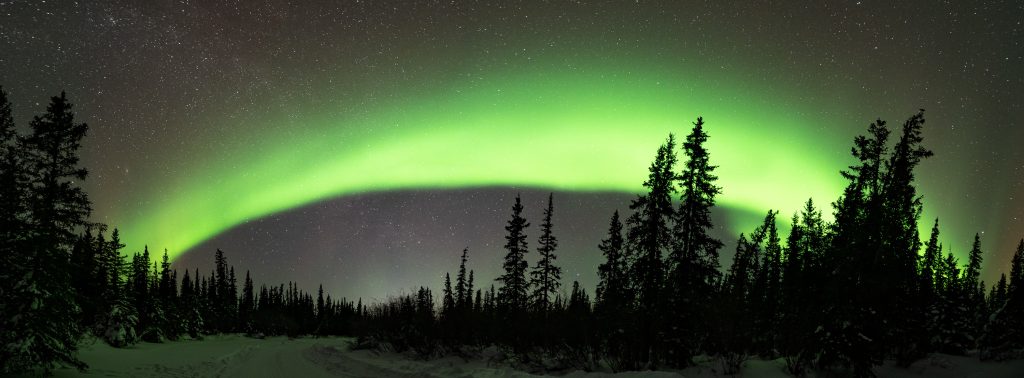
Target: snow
240, 356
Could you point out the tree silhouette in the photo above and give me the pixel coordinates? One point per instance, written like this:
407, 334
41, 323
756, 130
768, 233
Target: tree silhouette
14, 265
45, 328
461, 290
546, 276
512, 295
649, 236
612, 299
692, 265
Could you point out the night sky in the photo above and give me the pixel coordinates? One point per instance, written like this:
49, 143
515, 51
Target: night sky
364, 144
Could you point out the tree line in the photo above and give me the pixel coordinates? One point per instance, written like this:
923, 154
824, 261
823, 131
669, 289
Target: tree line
843, 295
840, 295
63, 278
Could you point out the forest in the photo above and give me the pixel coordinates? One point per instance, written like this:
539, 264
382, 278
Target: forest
841, 295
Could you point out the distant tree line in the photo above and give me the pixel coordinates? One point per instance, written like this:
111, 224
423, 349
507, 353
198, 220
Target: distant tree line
833, 296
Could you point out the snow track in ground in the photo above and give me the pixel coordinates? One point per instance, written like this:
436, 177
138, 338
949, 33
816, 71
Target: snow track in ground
236, 356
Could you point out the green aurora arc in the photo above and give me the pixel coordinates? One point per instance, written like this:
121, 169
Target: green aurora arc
581, 129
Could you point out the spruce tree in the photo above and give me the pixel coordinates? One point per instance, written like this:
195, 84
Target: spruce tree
546, 276
219, 292
47, 330
899, 244
649, 237
952, 318
612, 305
1014, 308
512, 293
612, 291
972, 292
930, 289
764, 296
469, 302
732, 327
323, 316
116, 267
461, 293
577, 329
802, 288
1017, 271
998, 295
101, 275
693, 262
15, 265
168, 287
13, 208
928, 263
83, 277
247, 307
794, 296
231, 301
119, 318
849, 334
448, 301
972, 274
13, 181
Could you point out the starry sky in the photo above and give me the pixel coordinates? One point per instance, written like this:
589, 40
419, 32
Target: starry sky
364, 144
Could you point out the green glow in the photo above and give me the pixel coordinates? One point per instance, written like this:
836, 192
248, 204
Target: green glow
583, 130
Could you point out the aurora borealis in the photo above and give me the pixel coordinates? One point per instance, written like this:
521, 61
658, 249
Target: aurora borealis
207, 118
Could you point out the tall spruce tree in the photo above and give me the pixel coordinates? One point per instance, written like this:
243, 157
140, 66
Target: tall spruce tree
612, 291
929, 264
803, 293
764, 297
448, 300
849, 335
649, 237
468, 304
13, 182
546, 276
930, 288
794, 295
231, 301
1017, 271
972, 292
15, 266
247, 306
612, 305
693, 265
874, 248
512, 298
219, 292
461, 292
46, 331
899, 245
512, 295
1013, 310
116, 266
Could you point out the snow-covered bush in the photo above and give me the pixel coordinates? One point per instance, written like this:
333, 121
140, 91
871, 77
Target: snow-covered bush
117, 327
1001, 339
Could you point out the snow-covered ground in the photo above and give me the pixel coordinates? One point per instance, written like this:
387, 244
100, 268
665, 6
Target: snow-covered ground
239, 356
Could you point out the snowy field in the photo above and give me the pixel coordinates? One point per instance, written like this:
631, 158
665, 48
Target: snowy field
239, 356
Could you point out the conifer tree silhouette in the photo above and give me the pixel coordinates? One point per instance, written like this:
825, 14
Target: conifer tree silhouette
649, 237
692, 264
546, 276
